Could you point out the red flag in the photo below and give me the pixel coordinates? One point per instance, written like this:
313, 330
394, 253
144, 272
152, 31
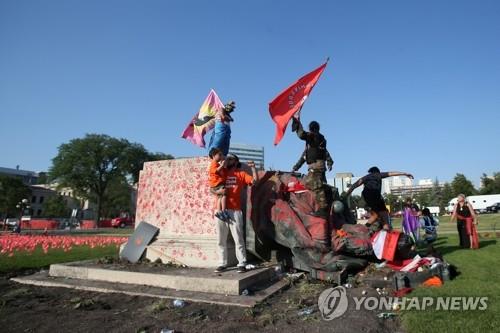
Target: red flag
384, 244
291, 100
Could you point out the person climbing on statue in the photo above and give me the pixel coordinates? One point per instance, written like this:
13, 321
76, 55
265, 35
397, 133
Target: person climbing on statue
318, 160
372, 194
221, 135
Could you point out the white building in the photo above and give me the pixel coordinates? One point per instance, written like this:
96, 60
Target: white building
425, 182
344, 183
249, 153
399, 181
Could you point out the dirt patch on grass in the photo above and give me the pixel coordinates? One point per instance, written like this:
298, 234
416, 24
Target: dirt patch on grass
36, 309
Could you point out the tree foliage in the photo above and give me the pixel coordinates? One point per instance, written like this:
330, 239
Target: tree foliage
392, 200
89, 165
117, 198
491, 185
357, 201
42, 178
435, 194
12, 191
55, 206
424, 198
460, 184
446, 195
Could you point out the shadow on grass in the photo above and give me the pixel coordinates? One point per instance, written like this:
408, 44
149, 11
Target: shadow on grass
447, 249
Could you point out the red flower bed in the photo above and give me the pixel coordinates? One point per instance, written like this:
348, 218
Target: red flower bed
28, 243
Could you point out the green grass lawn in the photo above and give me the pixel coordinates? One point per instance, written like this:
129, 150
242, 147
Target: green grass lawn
37, 259
479, 276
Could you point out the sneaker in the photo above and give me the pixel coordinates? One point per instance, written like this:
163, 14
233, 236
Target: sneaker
226, 215
220, 215
220, 269
241, 269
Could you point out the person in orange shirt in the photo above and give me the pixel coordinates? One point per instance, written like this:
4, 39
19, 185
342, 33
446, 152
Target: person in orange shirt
236, 181
216, 181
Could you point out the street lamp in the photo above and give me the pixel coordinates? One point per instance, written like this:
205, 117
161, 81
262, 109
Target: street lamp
22, 206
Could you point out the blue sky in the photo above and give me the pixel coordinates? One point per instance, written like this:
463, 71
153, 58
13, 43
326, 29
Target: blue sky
412, 86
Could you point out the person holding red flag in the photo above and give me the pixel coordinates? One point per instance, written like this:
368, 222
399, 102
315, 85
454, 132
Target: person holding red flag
316, 155
290, 101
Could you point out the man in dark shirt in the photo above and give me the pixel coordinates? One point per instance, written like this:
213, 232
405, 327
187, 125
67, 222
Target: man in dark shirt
372, 193
315, 154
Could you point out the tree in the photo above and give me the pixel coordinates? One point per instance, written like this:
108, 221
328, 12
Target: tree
491, 185
446, 195
117, 198
461, 184
42, 178
55, 206
424, 198
435, 194
357, 201
12, 190
89, 165
136, 155
392, 200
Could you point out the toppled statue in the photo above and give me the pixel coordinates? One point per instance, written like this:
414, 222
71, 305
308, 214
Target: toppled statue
278, 209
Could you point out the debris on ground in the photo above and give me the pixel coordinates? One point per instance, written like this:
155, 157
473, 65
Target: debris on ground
385, 315
167, 330
179, 303
307, 311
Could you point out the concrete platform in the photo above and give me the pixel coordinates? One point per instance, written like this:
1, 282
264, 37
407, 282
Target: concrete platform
204, 280
259, 293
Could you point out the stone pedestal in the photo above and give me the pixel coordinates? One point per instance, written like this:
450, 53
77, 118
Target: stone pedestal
174, 196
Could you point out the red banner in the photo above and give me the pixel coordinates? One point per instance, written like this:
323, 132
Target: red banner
291, 100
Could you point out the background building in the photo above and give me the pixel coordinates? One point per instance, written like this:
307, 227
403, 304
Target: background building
28, 177
406, 188
342, 181
249, 153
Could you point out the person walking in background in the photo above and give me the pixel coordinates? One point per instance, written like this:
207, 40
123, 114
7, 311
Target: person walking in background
466, 219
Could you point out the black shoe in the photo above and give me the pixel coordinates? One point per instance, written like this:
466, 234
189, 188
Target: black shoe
220, 269
226, 215
241, 269
220, 215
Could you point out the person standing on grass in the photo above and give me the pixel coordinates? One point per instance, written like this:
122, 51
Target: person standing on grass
236, 181
466, 223
410, 223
